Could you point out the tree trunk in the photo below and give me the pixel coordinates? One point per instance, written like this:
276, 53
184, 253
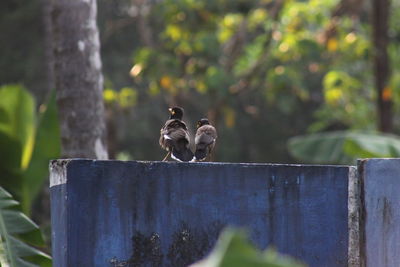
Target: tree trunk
48, 47
78, 78
380, 19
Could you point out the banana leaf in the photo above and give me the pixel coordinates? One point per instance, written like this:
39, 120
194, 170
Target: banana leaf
15, 251
343, 147
234, 250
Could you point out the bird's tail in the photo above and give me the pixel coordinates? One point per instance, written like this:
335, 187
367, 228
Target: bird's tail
184, 154
200, 154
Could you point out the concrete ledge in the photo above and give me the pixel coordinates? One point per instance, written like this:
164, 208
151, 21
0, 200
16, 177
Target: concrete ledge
113, 213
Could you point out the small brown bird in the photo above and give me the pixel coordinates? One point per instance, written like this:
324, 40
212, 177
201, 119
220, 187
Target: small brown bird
206, 136
174, 137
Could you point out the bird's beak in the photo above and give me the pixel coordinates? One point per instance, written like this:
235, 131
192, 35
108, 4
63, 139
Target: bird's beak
170, 110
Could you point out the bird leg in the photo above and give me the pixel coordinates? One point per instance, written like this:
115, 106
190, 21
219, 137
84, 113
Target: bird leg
209, 155
169, 153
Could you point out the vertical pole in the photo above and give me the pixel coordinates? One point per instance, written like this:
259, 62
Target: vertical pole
380, 19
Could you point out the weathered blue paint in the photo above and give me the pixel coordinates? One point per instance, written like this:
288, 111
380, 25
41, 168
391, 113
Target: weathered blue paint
380, 221
169, 214
59, 222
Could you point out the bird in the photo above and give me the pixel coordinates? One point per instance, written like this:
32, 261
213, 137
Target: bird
205, 138
174, 136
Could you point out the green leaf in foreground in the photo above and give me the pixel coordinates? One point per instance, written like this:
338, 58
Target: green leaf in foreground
234, 250
343, 147
14, 250
18, 118
47, 146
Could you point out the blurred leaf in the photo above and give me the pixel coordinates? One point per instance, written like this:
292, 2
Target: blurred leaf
201, 87
228, 26
362, 145
142, 56
256, 17
19, 106
217, 79
10, 153
252, 53
229, 116
234, 250
343, 147
333, 95
4, 116
232, 20
13, 251
127, 97
136, 69
332, 45
166, 81
124, 156
176, 33
47, 147
109, 95
341, 79
10, 163
387, 93
321, 148
153, 88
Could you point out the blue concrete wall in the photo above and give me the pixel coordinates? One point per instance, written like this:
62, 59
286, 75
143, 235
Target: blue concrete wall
113, 213
380, 220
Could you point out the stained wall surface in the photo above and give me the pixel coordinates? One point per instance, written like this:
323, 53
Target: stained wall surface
114, 213
380, 222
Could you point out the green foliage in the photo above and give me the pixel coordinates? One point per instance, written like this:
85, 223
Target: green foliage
46, 147
197, 55
343, 147
209, 50
18, 235
124, 98
234, 250
30, 140
281, 74
18, 118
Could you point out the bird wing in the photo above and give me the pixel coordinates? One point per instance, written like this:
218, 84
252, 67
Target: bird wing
177, 134
205, 135
173, 124
174, 131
